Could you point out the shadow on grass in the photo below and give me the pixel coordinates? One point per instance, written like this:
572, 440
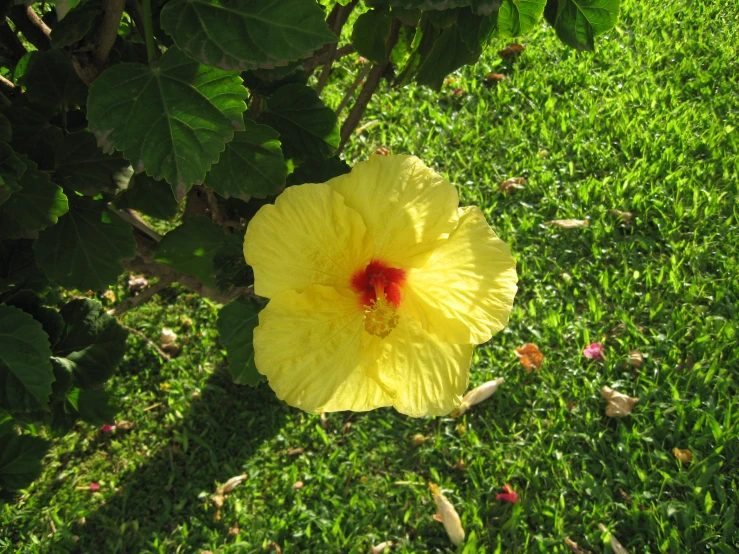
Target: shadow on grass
221, 429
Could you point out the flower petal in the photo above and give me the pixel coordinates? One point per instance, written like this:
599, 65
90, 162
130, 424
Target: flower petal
407, 207
308, 345
427, 375
465, 291
309, 236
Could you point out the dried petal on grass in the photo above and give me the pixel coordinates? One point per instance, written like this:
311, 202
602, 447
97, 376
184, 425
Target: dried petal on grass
683, 454
298, 485
418, 439
569, 223
94, 487
494, 77
625, 216
619, 405
594, 351
636, 358
380, 548
109, 295
107, 428
234, 530
125, 425
137, 283
296, 451
511, 185
511, 50
446, 514
168, 336
324, 420
572, 545
530, 356
382, 151
509, 495
615, 545
461, 465
477, 395
271, 545
231, 484
346, 428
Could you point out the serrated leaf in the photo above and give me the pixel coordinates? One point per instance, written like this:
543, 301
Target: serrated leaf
11, 170
92, 343
18, 269
77, 24
97, 406
316, 170
171, 120
517, 17
370, 35
6, 130
50, 319
251, 165
578, 22
85, 248
37, 205
51, 81
34, 136
82, 166
246, 34
63, 7
190, 248
429, 4
476, 30
25, 369
236, 323
448, 54
229, 267
20, 459
307, 127
148, 196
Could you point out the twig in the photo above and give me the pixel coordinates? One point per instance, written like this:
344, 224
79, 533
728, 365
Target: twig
150, 342
8, 88
341, 17
141, 297
108, 30
152, 406
33, 28
215, 207
361, 76
323, 56
373, 81
134, 219
10, 45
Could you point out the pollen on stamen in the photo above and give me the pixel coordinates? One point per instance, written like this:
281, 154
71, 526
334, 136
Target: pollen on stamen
380, 318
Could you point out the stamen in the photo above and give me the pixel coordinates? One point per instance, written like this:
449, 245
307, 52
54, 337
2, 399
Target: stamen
380, 317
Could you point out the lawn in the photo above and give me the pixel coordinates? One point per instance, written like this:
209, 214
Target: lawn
646, 125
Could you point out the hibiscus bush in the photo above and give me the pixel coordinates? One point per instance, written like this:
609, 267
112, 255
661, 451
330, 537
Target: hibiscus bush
146, 136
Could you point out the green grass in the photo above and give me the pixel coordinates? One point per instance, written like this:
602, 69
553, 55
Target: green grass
647, 124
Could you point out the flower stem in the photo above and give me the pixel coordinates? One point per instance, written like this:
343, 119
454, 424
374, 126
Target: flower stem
148, 31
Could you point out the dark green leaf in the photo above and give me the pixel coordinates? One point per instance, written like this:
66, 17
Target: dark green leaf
37, 205
25, 369
20, 459
230, 267
82, 166
63, 7
92, 343
251, 165
429, 4
517, 17
18, 269
51, 81
77, 25
97, 406
316, 170
448, 54
148, 196
85, 249
63, 375
49, 318
34, 136
370, 35
476, 30
578, 22
6, 131
236, 323
172, 120
246, 34
190, 248
307, 127
11, 170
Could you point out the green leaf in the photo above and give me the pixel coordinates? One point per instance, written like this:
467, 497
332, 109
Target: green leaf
229, 265
11, 170
77, 24
476, 30
148, 196
25, 369
49, 318
246, 34
20, 459
34, 136
85, 249
429, 4
251, 165
172, 120
448, 54
64, 6
6, 130
307, 127
18, 269
370, 35
92, 343
236, 323
82, 166
190, 248
37, 205
517, 17
578, 22
97, 406
316, 170
51, 81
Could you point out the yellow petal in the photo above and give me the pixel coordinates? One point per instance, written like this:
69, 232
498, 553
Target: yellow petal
307, 344
426, 375
407, 208
309, 236
465, 291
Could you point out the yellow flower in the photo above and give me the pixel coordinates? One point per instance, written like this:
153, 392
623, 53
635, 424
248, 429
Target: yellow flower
379, 286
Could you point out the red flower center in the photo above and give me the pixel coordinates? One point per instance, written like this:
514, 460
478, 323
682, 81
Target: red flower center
378, 279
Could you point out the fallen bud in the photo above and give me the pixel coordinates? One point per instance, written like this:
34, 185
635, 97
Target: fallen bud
380, 548
512, 184
477, 395
619, 405
418, 439
683, 454
446, 514
530, 356
569, 223
636, 358
168, 336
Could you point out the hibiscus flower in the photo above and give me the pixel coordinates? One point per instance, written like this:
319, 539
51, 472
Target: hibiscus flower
379, 287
